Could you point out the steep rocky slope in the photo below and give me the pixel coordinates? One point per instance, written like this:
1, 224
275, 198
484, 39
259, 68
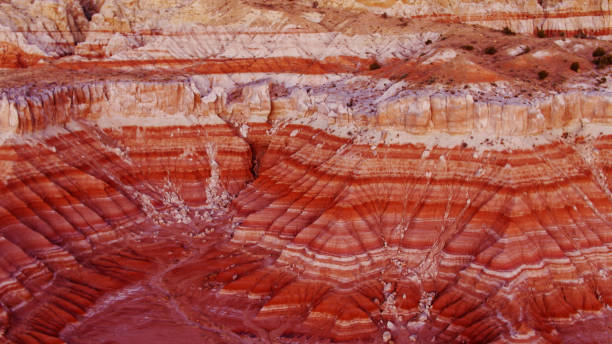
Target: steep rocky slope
288, 172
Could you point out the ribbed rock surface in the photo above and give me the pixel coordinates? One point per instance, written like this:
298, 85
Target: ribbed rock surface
71, 203
497, 243
344, 236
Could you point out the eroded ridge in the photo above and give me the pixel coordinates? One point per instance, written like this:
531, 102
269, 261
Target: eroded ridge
244, 208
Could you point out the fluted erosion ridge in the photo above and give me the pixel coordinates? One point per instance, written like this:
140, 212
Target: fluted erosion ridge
140, 103
162, 103
215, 208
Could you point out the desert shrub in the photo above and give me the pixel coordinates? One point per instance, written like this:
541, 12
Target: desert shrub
490, 50
599, 52
315, 4
541, 33
375, 65
467, 47
575, 66
428, 42
580, 34
542, 74
506, 31
603, 61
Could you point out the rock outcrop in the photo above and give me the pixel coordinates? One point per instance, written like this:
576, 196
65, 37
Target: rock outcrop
552, 17
41, 28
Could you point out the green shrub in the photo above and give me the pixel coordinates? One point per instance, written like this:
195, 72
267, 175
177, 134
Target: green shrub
603, 61
599, 52
375, 65
542, 74
490, 50
580, 34
575, 66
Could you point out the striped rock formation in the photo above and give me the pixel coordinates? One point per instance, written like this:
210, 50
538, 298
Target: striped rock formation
299, 172
552, 17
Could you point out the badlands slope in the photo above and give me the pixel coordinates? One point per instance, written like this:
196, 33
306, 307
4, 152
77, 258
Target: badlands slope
304, 172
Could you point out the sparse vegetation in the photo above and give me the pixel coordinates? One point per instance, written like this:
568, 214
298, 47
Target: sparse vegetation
542, 74
507, 31
375, 65
599, 52
603, 61
467, 47
384, 15
428, 42
526, 50
490, 50
315, 4
541, 33
575, 66
580, 34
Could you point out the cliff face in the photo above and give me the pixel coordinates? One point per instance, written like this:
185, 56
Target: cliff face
458, 236
163, 103
553, 17
40, 28
290, 172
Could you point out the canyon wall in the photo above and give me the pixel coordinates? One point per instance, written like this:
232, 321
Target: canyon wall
344, 235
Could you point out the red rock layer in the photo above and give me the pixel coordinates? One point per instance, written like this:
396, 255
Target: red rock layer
335, 64
72, 204
334, 240
445, 245
11, 56
571, 28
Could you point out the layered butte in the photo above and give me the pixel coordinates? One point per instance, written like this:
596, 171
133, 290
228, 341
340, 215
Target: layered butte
305, 172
